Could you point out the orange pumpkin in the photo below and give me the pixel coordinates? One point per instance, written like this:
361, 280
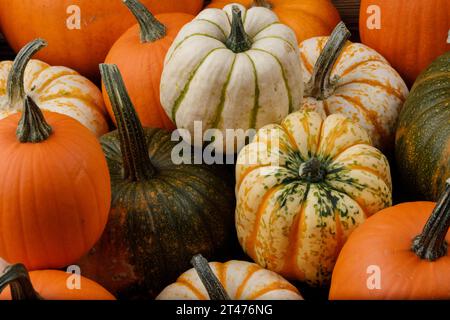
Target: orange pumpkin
17, 284
80, 46
139, 53
398, 254
55, 189
411, 34
308, 18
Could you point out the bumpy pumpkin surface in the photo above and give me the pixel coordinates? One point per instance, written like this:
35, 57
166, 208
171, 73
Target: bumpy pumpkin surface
232, 69
57, 89
161, 213
422, 146
302, 188
241, 280
354, 80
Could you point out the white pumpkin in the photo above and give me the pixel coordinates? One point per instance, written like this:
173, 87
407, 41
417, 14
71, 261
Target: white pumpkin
240, 280
232, 69
57, 89
354, 80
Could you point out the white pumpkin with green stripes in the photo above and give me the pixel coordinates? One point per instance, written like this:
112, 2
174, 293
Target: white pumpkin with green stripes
232, 69
302, 188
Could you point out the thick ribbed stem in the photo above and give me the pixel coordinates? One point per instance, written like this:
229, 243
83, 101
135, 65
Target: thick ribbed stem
262, 3
213, 286
136, 161
151, 29
17, 278
32, 126
312, 171
15, 89
321, 86
431, 244
238, 41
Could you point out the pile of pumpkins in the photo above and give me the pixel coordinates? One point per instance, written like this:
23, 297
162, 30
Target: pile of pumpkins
310, 199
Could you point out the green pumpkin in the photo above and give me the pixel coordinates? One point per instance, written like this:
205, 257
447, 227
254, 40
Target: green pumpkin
423, 133
162, 214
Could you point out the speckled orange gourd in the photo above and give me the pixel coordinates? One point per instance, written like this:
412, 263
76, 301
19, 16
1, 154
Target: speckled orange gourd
302, 188
57, 89
360, 84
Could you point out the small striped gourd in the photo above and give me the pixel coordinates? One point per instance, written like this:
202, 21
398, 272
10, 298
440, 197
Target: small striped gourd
232, 280
302, 188
57, 89
232, 69
354, 80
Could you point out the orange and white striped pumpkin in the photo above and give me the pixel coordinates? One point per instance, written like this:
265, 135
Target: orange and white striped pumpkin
302, 188
352, 79
241, 280
57, 89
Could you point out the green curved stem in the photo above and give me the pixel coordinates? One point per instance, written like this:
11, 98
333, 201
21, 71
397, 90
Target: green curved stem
32, 126
430, 244
136, 161
15, 89
151, 29
16, 276
213, 286
321, 86
238, 41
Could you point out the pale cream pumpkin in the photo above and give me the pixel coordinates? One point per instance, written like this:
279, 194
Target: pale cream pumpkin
57, 89
240, 280
232, 69
302, 188
352, 79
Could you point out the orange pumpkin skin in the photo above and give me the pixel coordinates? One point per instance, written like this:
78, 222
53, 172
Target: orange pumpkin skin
308, 18
412, 33
52, 285
141, 66
384, 241
55, 194
102, 22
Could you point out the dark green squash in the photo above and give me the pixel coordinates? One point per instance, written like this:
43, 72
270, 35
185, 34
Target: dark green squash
423, 134
162, 214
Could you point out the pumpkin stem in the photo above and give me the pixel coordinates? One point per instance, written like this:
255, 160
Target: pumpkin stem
215, 289
136, 161
16, 276
312, 171
321, 86
151, 29
262, 3
15, 84
238, 41
32, 126
431, 244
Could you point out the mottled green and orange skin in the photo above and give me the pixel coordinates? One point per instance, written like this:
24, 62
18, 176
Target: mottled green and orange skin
423, 134
158, 224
